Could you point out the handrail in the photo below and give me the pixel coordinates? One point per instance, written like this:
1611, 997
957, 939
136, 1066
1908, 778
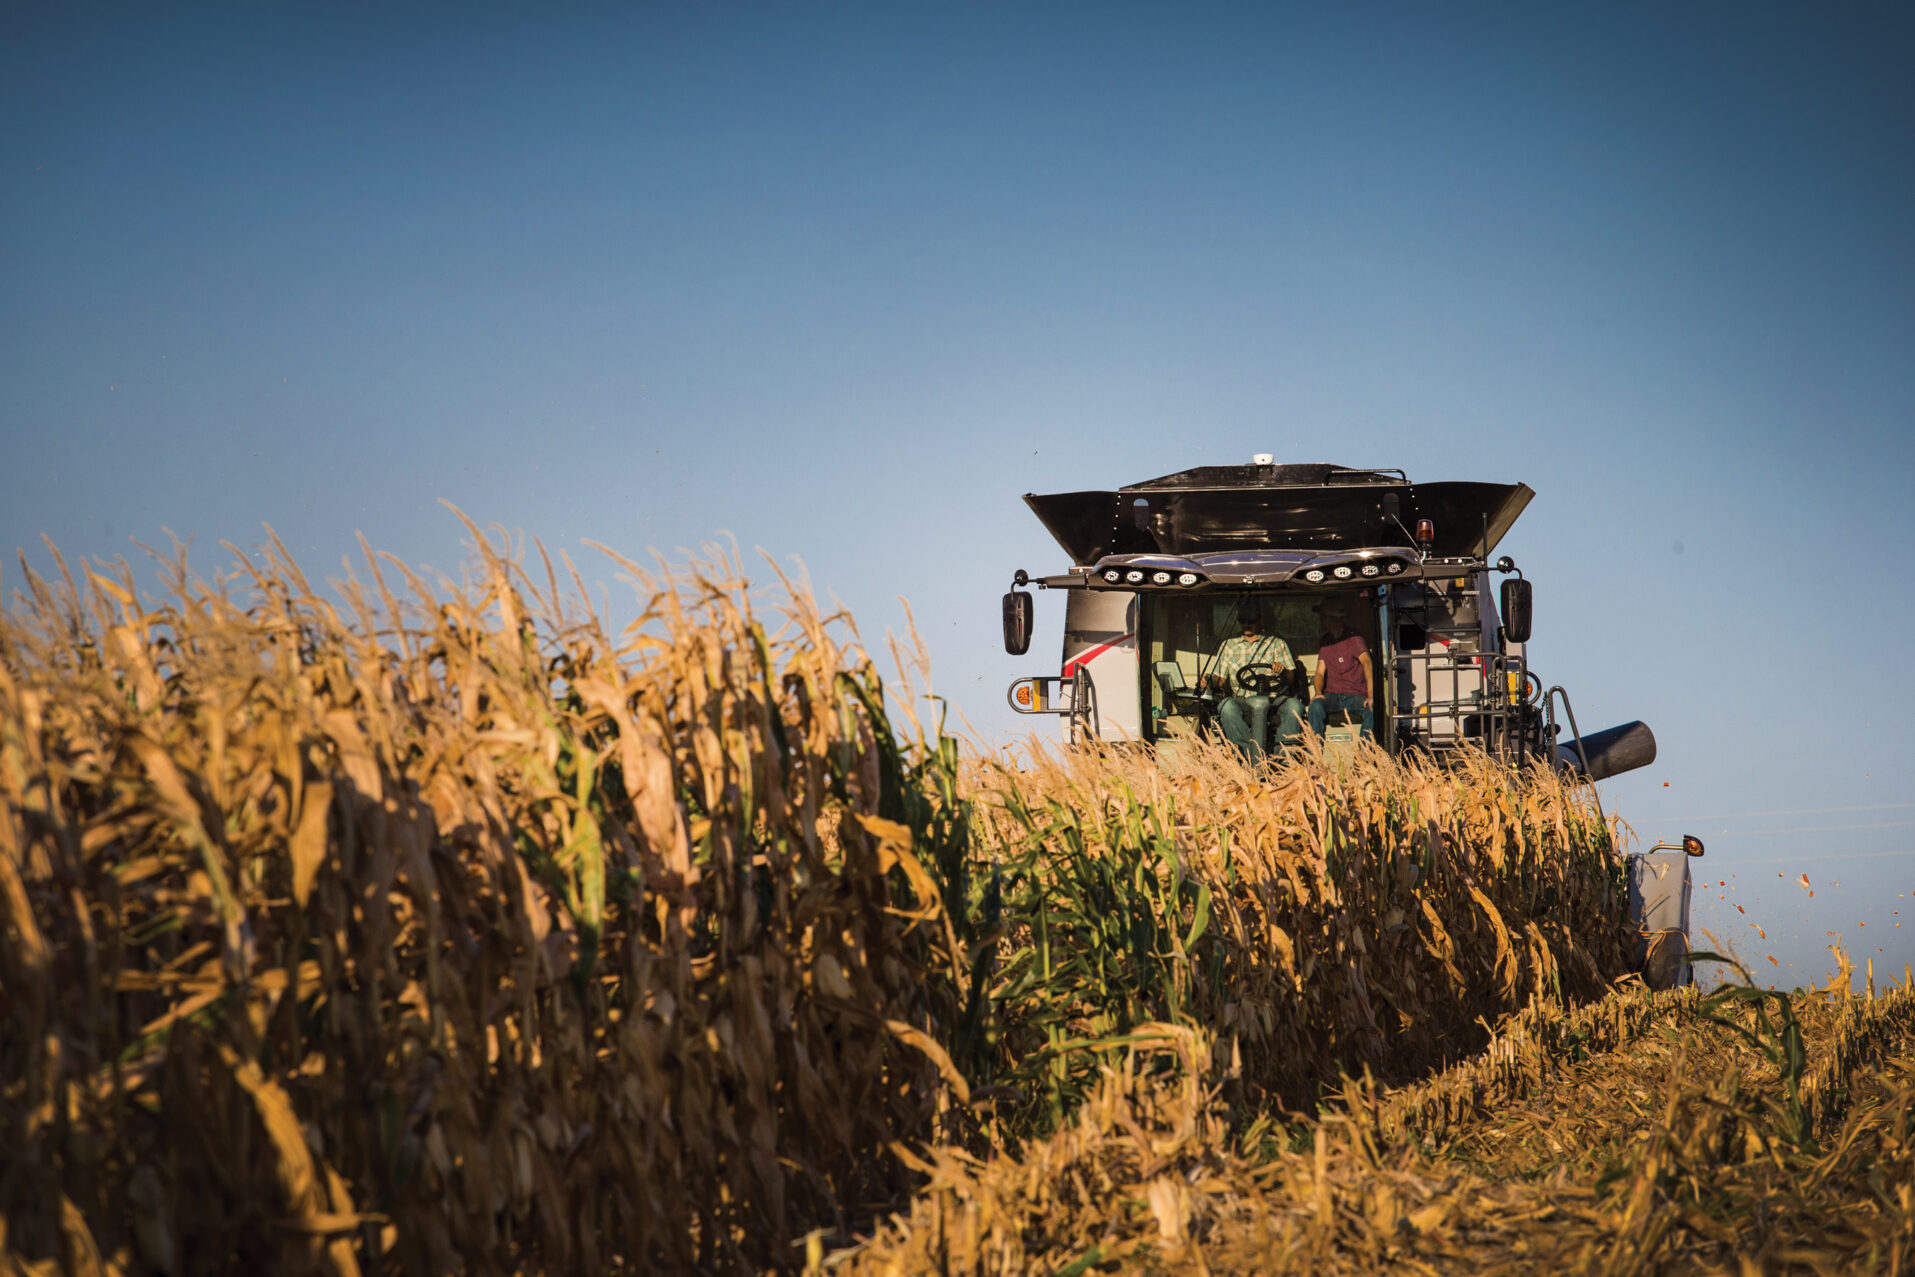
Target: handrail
1462, 689
1582, 755
1084, 696
1082, 710
1549, 707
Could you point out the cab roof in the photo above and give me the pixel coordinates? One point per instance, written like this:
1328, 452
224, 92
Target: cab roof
1314, 506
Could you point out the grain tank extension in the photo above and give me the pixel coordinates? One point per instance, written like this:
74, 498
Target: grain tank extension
1185, 594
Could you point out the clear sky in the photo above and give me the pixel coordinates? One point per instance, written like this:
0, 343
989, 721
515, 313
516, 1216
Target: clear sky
845, 281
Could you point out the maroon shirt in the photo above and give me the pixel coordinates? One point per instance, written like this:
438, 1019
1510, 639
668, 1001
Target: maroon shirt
1342, 671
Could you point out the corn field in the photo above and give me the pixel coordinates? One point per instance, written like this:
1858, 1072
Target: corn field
1747, 1132
1314, 920
439, 929
414, 926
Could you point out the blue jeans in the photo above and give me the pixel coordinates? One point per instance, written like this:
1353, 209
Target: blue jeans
1340, 703
1244, 720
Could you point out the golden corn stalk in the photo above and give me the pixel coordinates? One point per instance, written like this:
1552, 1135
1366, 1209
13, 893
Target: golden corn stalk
441, 929
1315, 919
425, 927
1695, 1150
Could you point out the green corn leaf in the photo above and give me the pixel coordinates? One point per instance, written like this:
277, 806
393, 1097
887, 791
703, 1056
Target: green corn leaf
1202, 921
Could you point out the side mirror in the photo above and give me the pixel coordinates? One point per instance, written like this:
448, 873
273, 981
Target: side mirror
1411, 637
1516, 610
1019, 614
1692, 844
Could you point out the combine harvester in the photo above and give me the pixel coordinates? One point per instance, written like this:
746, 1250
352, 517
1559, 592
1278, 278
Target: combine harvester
1174, 581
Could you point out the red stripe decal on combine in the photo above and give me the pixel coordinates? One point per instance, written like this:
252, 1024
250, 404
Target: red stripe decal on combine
1085, 658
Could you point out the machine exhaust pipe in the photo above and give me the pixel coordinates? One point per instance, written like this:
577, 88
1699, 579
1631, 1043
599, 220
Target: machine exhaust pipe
1611, 752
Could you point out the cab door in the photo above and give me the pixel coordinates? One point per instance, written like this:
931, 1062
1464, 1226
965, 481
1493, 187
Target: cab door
1100, 637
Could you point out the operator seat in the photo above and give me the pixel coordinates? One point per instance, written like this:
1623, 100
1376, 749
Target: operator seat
1186, 700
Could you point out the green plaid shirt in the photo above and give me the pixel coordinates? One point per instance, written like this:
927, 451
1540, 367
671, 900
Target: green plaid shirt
1243, 650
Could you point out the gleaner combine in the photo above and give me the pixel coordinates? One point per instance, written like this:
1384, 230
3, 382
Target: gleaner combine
1165, 572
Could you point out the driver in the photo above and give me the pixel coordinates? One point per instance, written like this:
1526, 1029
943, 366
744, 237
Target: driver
1244, 716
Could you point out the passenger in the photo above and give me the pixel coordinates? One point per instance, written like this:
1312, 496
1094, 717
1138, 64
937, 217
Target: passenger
1343, 678
1245, 715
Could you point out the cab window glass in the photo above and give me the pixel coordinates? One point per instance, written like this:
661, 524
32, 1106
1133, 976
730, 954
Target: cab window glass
1181, 634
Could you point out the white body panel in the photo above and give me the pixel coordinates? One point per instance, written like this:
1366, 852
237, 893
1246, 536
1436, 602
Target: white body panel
1659, 905
1100, 635
1659, 890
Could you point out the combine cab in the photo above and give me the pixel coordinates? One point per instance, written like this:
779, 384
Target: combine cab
1172, 581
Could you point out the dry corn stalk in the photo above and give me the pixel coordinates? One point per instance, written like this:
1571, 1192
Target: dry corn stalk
436, 927
1313, 919
1658, 1153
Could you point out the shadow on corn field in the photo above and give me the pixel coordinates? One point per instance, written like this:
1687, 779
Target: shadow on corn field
427, 927
1658, 1132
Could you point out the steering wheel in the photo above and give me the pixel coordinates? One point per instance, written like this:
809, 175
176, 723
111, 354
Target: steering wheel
1260, 679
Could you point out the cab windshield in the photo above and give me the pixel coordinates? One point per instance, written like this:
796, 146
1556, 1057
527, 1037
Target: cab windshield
1181, 637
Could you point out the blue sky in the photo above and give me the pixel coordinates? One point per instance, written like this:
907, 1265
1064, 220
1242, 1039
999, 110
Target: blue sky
845, 281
